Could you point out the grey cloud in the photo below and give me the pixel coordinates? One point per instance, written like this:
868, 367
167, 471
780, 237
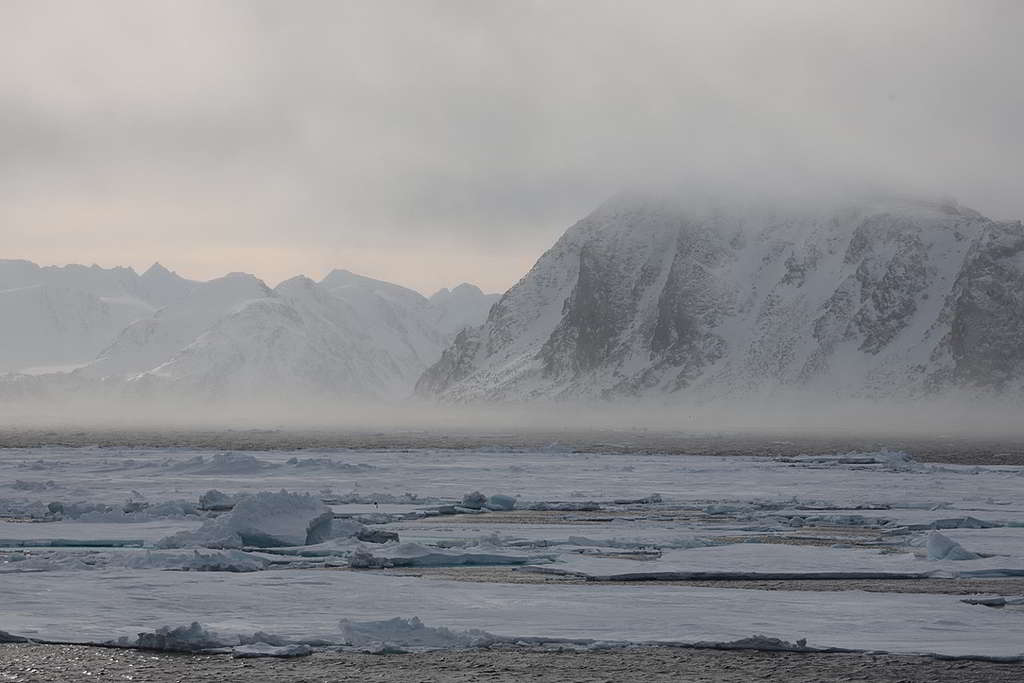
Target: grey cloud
472, 131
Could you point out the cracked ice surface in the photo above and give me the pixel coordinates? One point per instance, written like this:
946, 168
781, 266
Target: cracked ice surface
603, 519
308, 604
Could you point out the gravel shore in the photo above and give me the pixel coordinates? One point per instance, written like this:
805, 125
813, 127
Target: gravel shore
46, 663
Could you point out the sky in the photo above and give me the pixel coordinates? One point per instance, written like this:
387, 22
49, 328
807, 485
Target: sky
430, 143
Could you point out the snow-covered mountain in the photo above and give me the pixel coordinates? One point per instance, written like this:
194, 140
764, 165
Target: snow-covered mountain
63, 316
151, 341
160, 286
349, 335
880, 296
461, 307
52, 326
298, 339
402, 320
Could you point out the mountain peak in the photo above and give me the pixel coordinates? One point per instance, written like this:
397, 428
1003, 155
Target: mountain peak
467, 289
339, 277
338, 274
157, 270
294, 285
342, 277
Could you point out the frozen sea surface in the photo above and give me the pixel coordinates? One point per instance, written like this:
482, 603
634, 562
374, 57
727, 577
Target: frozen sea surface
73, 519
309, 604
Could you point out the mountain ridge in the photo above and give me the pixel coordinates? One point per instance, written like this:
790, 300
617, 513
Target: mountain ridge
660, 297
349, 335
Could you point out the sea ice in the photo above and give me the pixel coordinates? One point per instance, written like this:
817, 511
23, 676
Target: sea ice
196, 561
417, 555
501, 502
303, 605
745, 561
944, 548
399, 633
192, 638
474, 500
267, 520
198, 638
268, 650
216, 501
224, 463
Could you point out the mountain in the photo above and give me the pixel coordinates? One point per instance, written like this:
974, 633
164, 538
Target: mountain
111, 331
347, 336
461, 307
402, 319
160, 286
64, 316
156, 287
52, 326
151, 341
656, 297
299, 339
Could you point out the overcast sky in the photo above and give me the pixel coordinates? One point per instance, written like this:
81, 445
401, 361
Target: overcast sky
434, 142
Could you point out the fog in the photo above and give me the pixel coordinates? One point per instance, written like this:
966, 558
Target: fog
284, 419
433, 142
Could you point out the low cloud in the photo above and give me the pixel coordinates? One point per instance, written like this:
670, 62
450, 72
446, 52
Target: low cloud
434, 142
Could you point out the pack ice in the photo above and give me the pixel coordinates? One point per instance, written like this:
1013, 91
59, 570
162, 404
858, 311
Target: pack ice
267, 520
102, 544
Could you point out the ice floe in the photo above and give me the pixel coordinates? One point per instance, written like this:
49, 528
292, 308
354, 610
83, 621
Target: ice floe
416, 555
400, 634
267, 520
253, 650
198, 638
304, 606
944, 548
83, 563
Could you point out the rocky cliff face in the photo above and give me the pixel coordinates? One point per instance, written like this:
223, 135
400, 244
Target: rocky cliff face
867, 297
983, 318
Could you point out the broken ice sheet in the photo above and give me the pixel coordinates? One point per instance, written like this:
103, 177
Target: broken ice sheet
102, 600
306, 605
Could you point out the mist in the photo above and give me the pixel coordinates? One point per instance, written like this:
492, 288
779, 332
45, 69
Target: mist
622, 424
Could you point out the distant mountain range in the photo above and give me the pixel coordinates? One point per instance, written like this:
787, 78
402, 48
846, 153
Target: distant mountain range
648, 297
55, 316
658, 297
347, 335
